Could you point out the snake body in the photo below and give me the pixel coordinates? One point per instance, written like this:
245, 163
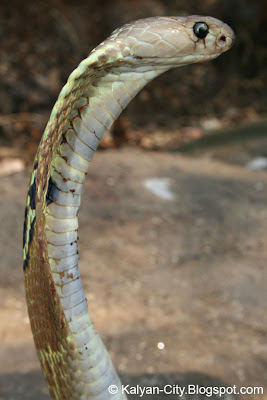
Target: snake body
74, 360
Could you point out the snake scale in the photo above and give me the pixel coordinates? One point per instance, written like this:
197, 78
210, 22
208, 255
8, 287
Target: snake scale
73, 358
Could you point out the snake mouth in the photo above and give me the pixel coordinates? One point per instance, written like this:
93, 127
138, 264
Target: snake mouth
170, 62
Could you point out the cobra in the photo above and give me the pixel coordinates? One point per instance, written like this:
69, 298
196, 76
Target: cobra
73, 358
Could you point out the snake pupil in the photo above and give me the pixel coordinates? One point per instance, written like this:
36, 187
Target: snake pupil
201, 30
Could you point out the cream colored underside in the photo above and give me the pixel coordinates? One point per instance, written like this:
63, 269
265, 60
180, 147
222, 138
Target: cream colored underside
93, 116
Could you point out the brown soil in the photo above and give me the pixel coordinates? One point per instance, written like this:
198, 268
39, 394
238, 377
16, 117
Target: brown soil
187, 272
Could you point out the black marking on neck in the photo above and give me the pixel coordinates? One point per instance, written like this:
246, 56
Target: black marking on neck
25, 226
26, 262
52, 192
32, 195
31, 230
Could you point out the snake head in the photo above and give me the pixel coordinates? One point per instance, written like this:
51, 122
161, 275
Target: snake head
173, 41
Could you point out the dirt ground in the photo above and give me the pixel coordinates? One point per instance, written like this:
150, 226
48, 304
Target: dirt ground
187, 271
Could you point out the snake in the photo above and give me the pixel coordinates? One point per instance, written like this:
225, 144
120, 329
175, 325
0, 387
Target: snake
73, 358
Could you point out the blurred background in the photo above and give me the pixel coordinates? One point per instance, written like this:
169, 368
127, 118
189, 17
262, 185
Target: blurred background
42, 42
173, 223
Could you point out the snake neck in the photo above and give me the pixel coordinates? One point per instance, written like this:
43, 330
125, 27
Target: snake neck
92, 114
84, 130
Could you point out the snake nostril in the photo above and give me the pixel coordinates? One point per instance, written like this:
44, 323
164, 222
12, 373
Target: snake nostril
222, 40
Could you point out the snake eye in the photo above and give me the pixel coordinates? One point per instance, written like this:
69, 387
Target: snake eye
201, 30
